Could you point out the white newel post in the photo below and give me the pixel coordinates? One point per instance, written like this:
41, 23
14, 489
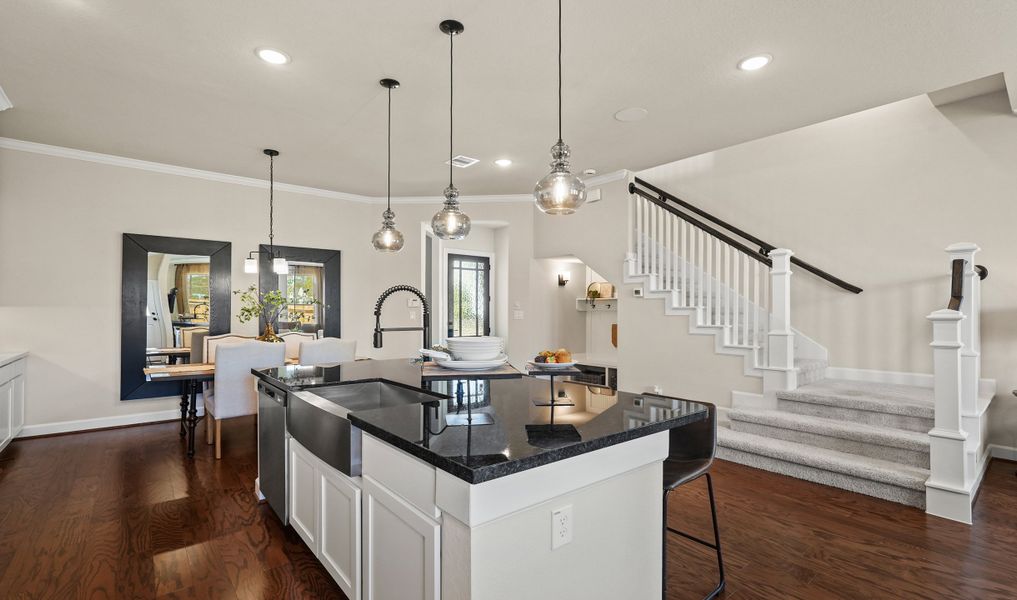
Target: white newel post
780, 374
948, 490
970, 308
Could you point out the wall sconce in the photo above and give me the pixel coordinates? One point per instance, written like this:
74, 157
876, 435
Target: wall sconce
563, 278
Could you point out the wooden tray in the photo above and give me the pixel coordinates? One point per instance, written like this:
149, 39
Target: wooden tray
434, 372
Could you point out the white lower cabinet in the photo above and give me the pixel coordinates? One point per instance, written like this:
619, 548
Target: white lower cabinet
6, 428
325, 513
12, 400
402, 548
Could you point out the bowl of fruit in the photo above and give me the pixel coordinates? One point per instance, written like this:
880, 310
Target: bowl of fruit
553, 359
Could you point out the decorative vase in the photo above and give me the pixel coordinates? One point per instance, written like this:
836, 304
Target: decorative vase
269, 335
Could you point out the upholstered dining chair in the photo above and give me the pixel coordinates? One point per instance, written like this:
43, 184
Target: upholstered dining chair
213, 341
293, 339
690, 456
187, 335
235, 391
198, 346
327, 351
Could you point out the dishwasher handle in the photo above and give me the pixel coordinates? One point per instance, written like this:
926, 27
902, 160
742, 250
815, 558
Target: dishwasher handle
277, 395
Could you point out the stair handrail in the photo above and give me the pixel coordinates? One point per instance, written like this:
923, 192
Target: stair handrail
662, 198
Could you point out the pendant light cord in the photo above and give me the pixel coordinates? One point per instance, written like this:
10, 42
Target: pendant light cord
389, 183
559, 71
451, 55
271, 204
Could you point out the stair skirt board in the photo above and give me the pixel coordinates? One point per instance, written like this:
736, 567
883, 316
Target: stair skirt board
851, 483
868, 417
914, 458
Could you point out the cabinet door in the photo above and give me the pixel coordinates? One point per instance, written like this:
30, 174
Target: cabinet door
304, 494
402, 548
6, 433
17, 404
339, 533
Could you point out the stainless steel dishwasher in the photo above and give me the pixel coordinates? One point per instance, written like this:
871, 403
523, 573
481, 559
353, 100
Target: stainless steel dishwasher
272, 448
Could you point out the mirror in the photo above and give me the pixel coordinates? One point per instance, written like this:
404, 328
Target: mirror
311, 286
173, 289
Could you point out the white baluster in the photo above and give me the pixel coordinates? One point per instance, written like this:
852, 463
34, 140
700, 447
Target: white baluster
709, 279
735, 302
726, 276
685, 263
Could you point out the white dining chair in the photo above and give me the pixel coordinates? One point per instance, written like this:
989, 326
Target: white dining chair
293, 340
213, 341
235, 391
327, 351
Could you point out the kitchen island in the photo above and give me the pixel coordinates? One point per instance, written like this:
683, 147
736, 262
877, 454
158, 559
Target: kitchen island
545, 502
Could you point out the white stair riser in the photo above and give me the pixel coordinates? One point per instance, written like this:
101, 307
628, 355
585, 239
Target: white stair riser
851, 483
849, 446
855, 415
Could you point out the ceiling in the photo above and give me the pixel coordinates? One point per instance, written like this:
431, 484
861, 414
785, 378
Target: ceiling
177, 82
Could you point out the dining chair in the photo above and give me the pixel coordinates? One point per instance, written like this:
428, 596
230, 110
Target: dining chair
293, 340
235, 391
198, 346
690, 456
212, 341
327, 351
187, 335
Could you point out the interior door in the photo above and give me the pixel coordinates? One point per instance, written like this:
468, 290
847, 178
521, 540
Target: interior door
469, 295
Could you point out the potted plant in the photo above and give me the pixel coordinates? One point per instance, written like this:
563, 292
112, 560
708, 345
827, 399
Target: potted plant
271, 306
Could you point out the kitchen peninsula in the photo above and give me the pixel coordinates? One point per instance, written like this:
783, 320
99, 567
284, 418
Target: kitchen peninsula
397, 504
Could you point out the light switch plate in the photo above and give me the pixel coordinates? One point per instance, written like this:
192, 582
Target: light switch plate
561, 526
413, 303
517, 315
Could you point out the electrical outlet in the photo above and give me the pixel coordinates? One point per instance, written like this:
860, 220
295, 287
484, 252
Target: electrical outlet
413, 303
413, 315
561, 526
517, 315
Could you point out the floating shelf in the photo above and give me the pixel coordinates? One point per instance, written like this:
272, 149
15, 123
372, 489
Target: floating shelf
596, 304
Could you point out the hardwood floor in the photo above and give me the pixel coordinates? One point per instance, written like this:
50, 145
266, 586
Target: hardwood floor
122, 514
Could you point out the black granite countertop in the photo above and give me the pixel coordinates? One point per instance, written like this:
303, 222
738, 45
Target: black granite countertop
522, 436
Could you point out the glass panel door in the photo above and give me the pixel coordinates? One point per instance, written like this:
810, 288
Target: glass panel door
469, 295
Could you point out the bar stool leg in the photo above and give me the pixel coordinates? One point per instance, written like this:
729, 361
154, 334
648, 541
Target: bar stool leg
716, 539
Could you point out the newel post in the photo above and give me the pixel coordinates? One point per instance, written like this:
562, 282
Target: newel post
970, 354
948, 490
781, 374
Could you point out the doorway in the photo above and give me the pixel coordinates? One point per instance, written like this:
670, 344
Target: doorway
469, 295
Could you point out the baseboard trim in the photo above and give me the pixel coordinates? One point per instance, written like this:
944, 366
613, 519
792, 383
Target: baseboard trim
44, 429
1004, 452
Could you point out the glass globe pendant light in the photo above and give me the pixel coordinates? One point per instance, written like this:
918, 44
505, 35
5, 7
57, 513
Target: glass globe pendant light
279, 264
450, 223
559, 192
388, 238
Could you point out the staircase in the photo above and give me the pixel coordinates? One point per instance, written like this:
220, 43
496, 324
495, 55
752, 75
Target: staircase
867, 437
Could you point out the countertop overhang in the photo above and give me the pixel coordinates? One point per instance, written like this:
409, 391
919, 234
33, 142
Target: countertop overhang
523, 435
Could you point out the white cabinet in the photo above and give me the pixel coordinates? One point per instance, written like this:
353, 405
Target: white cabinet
6, 430
402, 548
324, 507
17, 405
12, 398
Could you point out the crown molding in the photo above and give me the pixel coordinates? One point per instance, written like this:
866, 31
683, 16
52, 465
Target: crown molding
5, 102
155, 167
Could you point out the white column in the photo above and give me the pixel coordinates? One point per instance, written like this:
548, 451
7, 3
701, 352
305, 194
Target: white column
780, 374
948, 490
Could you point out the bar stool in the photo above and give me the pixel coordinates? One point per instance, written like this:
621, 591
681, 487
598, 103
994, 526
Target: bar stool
691, 453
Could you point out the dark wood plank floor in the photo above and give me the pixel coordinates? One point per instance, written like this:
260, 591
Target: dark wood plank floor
122, 514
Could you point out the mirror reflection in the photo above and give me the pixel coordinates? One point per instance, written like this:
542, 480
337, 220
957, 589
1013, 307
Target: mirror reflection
178, 306
303, 284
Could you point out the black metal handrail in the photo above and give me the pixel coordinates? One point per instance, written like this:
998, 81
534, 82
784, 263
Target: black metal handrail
662, 198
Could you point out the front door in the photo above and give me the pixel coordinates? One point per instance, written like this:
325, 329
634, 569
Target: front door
469, 295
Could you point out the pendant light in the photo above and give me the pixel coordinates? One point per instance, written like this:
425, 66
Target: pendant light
559, 192
450, 223
388, 238
279, 264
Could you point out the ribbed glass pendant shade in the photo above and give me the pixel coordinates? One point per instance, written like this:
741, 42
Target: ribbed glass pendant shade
450, 223
559, 192
388, 238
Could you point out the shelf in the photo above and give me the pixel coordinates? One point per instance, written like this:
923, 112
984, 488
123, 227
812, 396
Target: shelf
597, 304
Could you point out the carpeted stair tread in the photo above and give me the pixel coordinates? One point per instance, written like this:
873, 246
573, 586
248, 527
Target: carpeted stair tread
885, 398
860, 432
861, 467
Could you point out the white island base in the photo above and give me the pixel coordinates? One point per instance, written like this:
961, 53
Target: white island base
428, 534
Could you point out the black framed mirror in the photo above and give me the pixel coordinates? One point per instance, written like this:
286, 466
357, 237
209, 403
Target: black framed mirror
168, 285
313, 272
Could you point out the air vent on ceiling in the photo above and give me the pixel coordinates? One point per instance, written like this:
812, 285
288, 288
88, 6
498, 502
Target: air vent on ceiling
462, 161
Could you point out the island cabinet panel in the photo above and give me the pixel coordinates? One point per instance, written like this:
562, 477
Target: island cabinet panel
304, 494
6, 430
340, 530
402, 548
17, 405
325, 511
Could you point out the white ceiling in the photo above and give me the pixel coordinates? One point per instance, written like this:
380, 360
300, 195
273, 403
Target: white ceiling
177, 82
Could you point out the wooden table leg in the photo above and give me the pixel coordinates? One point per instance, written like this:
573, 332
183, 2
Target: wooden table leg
192, 418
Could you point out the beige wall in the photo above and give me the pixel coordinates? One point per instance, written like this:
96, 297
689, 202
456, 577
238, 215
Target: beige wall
874, 198
61, 222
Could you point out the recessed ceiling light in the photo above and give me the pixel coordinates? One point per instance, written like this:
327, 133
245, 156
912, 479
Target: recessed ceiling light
754, 63
628, 115
503, 162
272, 56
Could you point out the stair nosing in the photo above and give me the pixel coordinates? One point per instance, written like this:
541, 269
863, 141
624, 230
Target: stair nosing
890, 437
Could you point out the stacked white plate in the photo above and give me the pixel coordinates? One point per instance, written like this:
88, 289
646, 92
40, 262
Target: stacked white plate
475, 348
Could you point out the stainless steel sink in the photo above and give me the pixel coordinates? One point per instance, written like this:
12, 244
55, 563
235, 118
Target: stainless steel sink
317, 418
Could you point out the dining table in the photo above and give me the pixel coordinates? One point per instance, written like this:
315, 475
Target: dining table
191, 376
174, 354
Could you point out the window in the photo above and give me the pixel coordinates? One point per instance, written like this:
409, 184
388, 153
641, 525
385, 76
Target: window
469, 295
197, 295
302, 287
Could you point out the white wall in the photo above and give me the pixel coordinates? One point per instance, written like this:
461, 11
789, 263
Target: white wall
61, 222
874, 198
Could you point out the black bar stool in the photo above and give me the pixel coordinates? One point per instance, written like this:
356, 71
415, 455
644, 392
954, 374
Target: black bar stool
691, 453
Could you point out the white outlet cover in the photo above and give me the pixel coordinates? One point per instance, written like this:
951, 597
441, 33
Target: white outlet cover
517, 315
561, 526
638, 292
